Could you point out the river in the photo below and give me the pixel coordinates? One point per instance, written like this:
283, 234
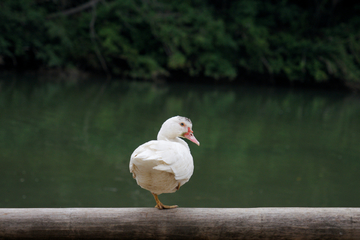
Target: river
68, 144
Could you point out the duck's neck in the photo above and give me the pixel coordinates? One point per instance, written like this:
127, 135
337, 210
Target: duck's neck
166, 137
161, 136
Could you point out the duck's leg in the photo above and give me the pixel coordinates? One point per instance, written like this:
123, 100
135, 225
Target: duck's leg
159, 205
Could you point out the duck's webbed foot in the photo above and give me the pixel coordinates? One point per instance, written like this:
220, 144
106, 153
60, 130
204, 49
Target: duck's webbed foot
159, 205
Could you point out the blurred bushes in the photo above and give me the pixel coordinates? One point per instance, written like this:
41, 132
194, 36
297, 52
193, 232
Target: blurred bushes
308, 41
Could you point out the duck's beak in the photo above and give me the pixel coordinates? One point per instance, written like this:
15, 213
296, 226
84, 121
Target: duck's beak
189, 135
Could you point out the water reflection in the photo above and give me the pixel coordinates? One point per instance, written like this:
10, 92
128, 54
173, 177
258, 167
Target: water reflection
68, 145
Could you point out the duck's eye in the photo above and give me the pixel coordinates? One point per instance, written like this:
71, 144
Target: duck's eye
182, 124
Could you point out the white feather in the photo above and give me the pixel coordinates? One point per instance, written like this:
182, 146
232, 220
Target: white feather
162, 166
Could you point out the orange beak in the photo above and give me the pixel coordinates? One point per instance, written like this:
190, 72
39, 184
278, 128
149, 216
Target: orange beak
189, 135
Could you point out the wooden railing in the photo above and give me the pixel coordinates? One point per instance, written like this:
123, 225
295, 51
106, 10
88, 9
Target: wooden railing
180, 223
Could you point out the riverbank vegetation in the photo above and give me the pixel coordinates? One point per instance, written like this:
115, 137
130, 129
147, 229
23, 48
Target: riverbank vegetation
231, 40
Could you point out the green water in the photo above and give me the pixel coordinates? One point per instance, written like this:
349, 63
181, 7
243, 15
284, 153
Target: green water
68, 144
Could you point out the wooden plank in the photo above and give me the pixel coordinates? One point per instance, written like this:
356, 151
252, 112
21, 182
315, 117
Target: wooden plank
180, 223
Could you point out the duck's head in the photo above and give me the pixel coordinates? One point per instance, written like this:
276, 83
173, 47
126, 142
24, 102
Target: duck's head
177, 127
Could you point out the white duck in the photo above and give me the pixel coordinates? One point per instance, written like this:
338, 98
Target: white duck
165, 164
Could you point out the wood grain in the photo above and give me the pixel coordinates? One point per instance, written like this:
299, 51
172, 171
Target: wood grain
180, 223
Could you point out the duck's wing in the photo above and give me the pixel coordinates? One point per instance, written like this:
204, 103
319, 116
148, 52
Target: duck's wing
165, 156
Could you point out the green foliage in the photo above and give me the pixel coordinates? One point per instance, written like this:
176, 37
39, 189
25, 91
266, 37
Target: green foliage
21, 27
308, 42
